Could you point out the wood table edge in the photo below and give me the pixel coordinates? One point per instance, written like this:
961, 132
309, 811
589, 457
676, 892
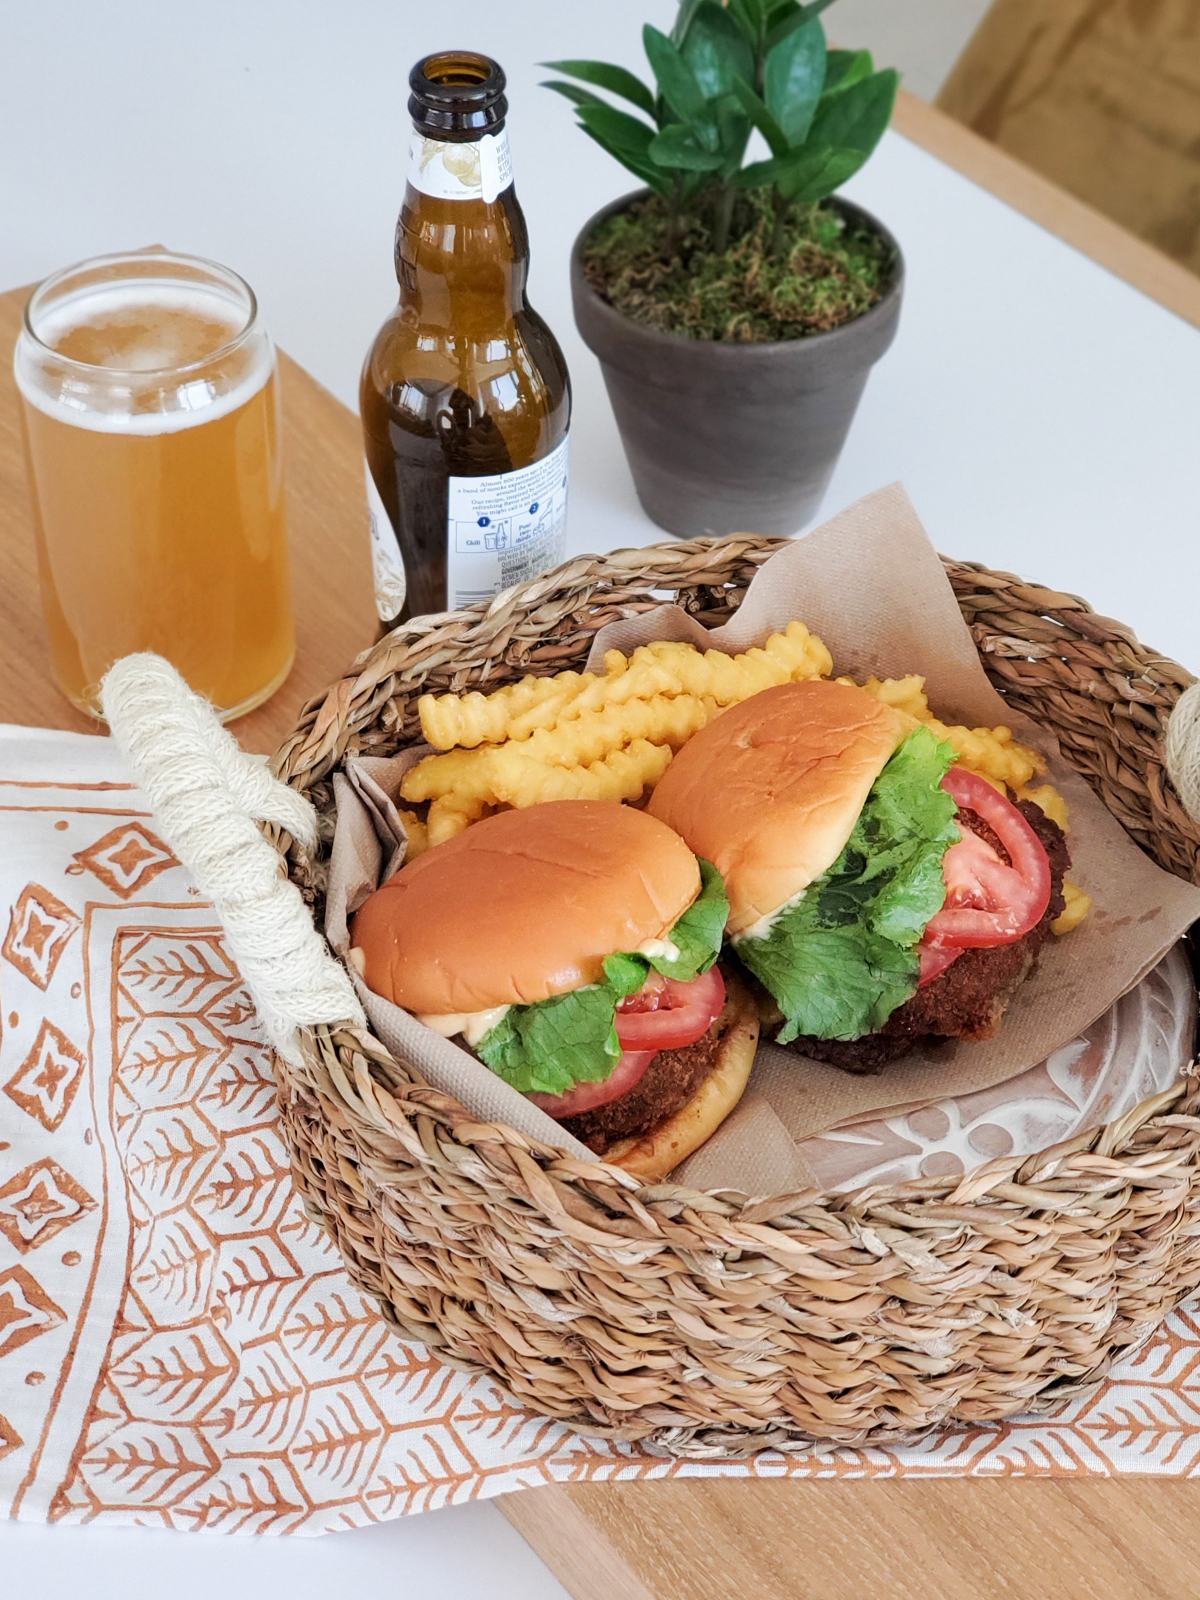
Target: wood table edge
1089, 231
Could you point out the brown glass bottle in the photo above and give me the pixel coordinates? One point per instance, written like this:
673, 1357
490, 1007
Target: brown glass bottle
464, 397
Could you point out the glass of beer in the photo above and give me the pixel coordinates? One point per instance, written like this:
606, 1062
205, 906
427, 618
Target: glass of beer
150, 409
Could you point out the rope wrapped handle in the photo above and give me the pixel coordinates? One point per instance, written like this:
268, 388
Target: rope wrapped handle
207, 795
1181, 749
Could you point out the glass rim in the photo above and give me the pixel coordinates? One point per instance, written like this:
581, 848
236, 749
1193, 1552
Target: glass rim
48, 284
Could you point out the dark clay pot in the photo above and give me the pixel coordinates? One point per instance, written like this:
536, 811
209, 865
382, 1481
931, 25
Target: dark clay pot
732, 438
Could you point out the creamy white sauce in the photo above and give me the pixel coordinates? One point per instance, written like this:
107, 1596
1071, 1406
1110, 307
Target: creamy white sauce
761, 928
358, 959
471, 1024
658, 950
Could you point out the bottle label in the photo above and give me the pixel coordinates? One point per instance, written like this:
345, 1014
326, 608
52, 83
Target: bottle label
475, 171
507, 528
390, 582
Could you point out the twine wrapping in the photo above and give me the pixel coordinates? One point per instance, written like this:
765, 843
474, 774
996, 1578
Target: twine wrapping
207, 794
1181, 750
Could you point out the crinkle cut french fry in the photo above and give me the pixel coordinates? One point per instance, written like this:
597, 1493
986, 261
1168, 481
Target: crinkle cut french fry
595, 734
519, 780
787, 657
472, 719
992, 753
457, 771
640, 681
450, 814
417, 833
1078, 904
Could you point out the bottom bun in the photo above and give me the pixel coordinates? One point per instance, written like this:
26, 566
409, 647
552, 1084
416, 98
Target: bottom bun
651, 1156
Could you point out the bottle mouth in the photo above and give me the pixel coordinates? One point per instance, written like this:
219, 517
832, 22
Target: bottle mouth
457, 95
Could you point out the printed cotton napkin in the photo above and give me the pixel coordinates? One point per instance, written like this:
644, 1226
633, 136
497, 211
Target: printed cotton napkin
179, 1346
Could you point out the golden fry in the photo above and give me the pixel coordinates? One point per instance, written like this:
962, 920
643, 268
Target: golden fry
520, 780
992, 753
519, 710
596, 734
787, 657
471, 719
456, 772
450, 815
639, 680
1077, 907
418, 835
1051, 802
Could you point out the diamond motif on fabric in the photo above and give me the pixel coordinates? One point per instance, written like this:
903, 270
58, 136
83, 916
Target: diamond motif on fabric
127, 859
45, 1083
10, 1439
39, 930
26, 1310
40, 1202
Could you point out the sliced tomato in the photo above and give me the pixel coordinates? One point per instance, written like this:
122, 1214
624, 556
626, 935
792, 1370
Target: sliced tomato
666, 1014
987, 901
935, 958
625, 1075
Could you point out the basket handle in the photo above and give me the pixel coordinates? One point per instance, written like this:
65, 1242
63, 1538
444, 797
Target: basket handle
207, 795
1181, 749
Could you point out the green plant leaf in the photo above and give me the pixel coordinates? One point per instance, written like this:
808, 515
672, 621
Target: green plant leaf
618, 130
749, 15
855, 119
605, 76
627, 140
817, 173
675, 78
815, 8
677, 146
683, 20
717, 50
733, 128
793, 78
844, 68
766, 125
573, 93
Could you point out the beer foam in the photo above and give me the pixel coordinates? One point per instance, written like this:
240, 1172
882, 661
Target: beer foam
121, 336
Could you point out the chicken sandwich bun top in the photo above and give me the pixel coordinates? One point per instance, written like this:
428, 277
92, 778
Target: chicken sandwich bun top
877, 892
572, 946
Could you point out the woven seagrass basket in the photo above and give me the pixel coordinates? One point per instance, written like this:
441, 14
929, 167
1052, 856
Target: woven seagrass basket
706, 1324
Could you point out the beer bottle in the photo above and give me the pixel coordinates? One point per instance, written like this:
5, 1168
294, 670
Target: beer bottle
465, 397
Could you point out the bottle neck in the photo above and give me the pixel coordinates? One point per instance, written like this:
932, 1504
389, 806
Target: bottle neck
461, 170
461, 241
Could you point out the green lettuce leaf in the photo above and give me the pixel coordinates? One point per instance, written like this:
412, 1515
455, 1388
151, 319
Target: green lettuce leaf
842, 959
550, 1046
699, 932
553, 1045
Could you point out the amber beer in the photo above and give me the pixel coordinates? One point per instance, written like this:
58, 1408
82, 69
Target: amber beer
151, 419
465, 398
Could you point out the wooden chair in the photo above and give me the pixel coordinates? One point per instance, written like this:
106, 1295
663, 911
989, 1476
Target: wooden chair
1103, 98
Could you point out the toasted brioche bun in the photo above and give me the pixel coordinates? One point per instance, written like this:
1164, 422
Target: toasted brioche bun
770, 791
650, 1156
522, 906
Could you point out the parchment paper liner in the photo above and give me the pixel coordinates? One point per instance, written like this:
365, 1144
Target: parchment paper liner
871, 584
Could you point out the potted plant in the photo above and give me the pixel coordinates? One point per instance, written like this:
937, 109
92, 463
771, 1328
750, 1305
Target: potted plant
736, 307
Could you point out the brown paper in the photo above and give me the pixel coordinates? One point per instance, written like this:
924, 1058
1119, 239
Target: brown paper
871, 585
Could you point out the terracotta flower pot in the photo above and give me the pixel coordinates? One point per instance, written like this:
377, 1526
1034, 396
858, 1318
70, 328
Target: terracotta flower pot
729, 437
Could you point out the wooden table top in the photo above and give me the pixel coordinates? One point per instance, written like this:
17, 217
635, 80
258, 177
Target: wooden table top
884, 1539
